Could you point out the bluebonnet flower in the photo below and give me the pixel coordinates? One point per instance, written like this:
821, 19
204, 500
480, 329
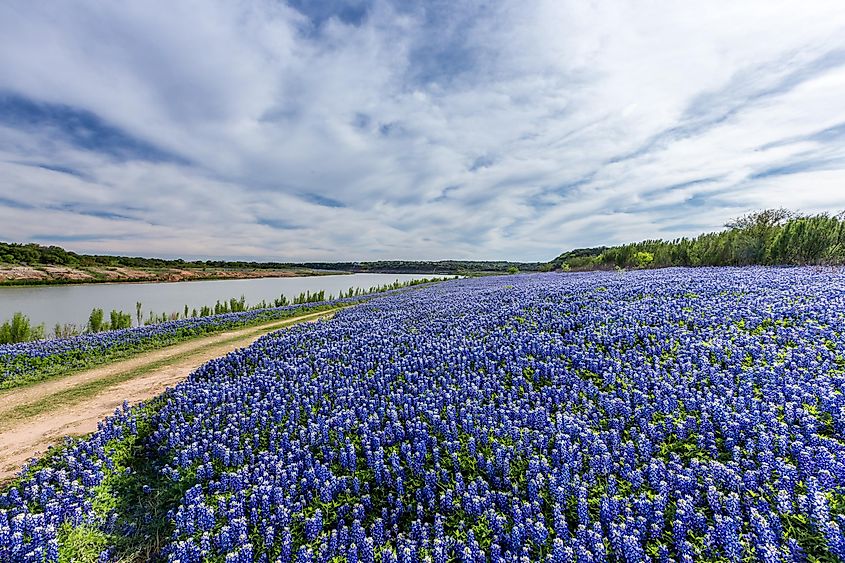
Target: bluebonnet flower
562, 421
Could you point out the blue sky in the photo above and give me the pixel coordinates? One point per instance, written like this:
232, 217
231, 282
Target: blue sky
332, 130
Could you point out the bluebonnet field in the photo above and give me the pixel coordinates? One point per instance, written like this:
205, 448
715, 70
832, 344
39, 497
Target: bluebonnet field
674, 415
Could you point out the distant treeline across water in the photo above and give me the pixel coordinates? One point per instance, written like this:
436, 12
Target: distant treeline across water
32, 254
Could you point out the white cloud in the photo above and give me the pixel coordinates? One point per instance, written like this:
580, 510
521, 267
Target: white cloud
515, 130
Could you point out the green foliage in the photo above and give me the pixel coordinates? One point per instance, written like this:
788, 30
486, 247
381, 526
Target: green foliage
119, 320
578, 259
95, 320
769, 237
643, 259
82, 544
12, 253
309, 297
29, 254
19, 329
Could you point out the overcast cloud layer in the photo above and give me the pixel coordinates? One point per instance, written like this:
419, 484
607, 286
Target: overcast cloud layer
374, 130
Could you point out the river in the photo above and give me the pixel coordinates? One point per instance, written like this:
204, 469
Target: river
73, 303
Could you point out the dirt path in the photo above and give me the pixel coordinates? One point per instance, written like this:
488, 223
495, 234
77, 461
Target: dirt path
35, 417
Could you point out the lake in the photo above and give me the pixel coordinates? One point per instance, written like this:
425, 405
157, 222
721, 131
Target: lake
73, 303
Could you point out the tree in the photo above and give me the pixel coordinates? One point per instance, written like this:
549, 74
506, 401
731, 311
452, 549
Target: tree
751, 235
766, 219
772, 236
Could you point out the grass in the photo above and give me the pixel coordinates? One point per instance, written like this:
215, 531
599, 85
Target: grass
134, 497
82, 543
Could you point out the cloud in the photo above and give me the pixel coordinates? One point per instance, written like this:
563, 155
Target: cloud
383, 129
79, 128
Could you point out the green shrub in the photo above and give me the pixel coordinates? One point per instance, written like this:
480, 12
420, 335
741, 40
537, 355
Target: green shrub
119, 319
95, 320
19, 329
643, 259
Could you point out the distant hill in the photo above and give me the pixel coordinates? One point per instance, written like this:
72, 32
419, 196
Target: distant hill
17, 254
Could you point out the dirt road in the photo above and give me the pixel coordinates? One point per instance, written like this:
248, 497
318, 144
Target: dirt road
35, 417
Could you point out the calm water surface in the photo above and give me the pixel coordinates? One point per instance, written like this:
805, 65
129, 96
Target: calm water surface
73, 303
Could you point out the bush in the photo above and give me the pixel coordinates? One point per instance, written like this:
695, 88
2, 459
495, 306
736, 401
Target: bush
119, 320
19, 329
643, 259
95, 320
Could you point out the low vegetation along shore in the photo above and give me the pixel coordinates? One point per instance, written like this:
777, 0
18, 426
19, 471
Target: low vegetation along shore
774, 237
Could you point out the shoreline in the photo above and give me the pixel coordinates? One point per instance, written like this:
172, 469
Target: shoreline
165, 278
40, 282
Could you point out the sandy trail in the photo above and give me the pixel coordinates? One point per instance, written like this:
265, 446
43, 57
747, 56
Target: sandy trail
40, 415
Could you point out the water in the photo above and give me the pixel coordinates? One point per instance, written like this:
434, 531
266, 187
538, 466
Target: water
73, 303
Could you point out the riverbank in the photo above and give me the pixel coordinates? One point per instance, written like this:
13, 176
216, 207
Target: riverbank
48, 274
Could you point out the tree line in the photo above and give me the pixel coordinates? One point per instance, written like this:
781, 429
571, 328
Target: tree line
34, 254
769, 237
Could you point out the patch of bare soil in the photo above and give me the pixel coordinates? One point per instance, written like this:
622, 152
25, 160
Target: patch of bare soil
10, 272
67, 273
117, 274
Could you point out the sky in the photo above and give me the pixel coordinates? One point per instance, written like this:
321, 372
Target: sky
359, 130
